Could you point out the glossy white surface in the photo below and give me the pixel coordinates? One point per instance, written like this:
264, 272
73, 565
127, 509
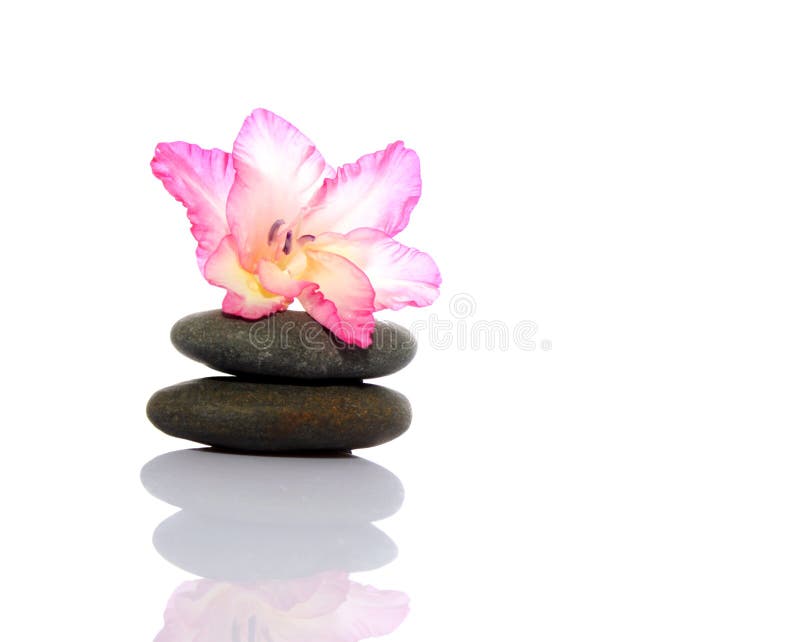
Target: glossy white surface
622, 174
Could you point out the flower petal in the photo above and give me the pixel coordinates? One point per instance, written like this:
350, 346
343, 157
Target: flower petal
379, 190
339, 297
399, 274
200, 179
245, 298
277, 171
274, 279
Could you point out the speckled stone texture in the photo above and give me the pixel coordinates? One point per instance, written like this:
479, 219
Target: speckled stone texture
280, 417
289, 344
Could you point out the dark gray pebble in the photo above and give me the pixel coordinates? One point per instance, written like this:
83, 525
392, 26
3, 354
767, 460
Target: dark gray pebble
278, 417
289, 344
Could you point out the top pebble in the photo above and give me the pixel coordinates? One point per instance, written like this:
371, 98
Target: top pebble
289, 344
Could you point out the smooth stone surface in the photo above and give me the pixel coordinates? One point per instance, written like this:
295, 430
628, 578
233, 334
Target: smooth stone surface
278, 417
287, 489
289, 344
247, 552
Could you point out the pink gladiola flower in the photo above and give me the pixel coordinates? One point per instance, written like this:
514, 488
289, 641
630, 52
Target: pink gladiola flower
325, 608
274, 222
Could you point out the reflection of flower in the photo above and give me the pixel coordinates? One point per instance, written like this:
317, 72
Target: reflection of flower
274, 222
324, 608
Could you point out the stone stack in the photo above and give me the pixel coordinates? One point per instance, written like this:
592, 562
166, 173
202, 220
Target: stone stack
294, 385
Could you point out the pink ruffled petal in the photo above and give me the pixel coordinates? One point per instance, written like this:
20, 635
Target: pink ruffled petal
379, 191
339, 297
200, 179
277, 171
276, 280
245, 298
399, 274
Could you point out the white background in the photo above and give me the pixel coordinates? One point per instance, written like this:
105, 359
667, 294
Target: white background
624, 174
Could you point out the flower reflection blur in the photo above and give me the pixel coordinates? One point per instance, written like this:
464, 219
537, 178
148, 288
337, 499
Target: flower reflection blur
328, 607
274, 540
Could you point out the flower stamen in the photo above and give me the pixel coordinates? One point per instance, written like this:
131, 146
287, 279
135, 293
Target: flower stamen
274, 229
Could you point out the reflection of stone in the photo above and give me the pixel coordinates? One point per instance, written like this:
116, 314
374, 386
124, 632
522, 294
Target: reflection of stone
325, 608
255, 518
329, 489
243, 551
278, 537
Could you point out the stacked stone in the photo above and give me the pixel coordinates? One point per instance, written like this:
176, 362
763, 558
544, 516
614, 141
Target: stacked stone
294, 385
